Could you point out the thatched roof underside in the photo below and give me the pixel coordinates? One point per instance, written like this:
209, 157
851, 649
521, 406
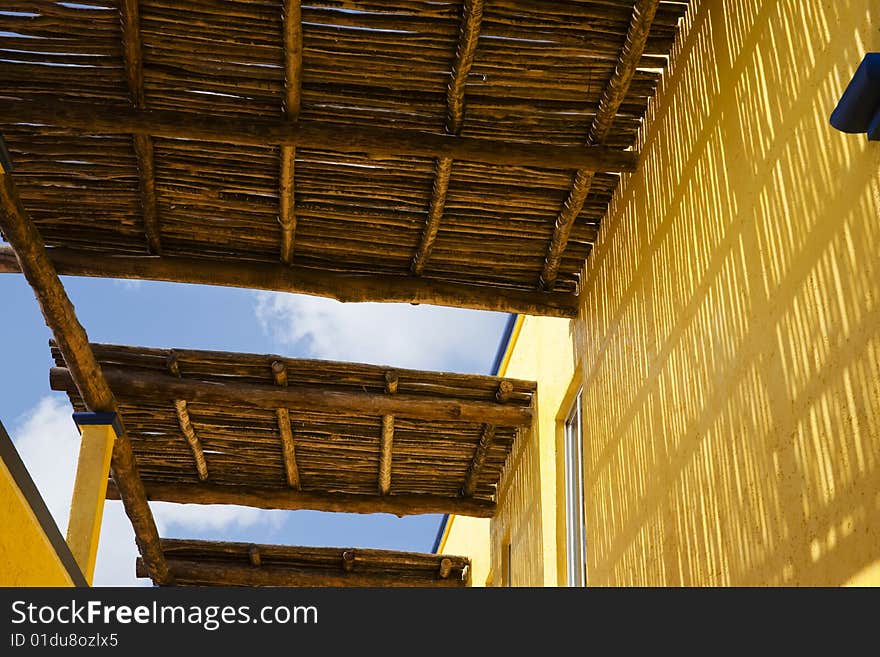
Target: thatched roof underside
333, 419
211, 563
508, 71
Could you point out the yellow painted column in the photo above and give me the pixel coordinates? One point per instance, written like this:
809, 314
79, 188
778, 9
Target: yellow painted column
99, 432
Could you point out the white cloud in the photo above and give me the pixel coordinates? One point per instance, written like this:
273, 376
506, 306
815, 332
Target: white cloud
401, 335
48, 443
129, 284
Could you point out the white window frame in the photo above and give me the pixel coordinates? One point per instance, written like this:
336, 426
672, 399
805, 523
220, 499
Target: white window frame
575, 530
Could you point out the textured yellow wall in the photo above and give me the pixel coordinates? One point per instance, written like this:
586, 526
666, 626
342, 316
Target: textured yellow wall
730, 334
27, 558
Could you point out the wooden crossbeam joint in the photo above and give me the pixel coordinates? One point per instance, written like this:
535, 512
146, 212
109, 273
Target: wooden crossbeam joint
288, 447
348, 559
254, 556
445, 567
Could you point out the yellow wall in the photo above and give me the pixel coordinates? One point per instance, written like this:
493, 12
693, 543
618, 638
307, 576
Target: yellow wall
27, 557
729, 338
731, 323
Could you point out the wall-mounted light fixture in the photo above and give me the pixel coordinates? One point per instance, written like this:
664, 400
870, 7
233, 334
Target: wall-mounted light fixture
859, 107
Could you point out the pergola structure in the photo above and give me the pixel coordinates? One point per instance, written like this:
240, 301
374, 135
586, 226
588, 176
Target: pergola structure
453, 153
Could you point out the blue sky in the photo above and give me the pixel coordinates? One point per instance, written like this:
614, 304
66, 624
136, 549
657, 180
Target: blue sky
155, 314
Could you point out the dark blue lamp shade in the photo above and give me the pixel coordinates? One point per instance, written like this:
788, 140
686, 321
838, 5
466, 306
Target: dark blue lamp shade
859, 107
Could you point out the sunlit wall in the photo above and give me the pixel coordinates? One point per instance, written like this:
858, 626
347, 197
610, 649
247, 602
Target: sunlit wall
730, 329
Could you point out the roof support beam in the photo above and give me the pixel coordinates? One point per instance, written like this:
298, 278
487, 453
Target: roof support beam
376, 143
487, 437
612, 97
387, 442
198, 573
73, 342
291, 500
343, 287
131, 383
472, 15
143, 144
293, 45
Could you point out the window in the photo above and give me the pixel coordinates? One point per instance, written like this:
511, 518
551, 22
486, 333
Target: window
575, 534
506, 567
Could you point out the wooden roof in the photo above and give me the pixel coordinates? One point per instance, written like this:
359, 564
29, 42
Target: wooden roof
271, 432
210, 563
460, 153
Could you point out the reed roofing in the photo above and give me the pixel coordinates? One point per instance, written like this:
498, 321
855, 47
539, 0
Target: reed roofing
403, 150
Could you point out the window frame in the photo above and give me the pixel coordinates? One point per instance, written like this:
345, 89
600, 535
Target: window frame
573, 487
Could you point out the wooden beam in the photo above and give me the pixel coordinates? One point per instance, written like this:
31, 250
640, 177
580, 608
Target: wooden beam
254, 556
487, 438
391, 382
342, 287
60, 317
445, 567
377, 143
348, 559
469, 32
292, 25
385, 455
89, 493
143, 144
288, 449
291, 500
612, 97
163, 387
505, 389
189, 433
198, 573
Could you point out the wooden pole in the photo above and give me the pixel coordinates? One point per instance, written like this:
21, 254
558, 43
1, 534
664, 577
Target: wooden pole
84, 370
89, 493
197, 573
192, 439
385, 456
343, 287
288, 449
469, 32
487, 437
143, 144
292, 25
377, 143
612, 97
159, 387
291, 500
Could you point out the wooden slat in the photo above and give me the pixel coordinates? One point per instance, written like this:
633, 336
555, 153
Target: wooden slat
59, 314
615, 91
374, 142
159, 387
293, 45
288, 448
143, 144
291, 500
342, 287
192, 439
472, 14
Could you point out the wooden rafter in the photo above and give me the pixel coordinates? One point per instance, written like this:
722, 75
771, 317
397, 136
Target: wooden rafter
288, 448
20, 231
293, 45
186, 427
342, 287
374, 142
143, 144
292, 500
387, 442
612, 97
487, 437
469, 32
160, 387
